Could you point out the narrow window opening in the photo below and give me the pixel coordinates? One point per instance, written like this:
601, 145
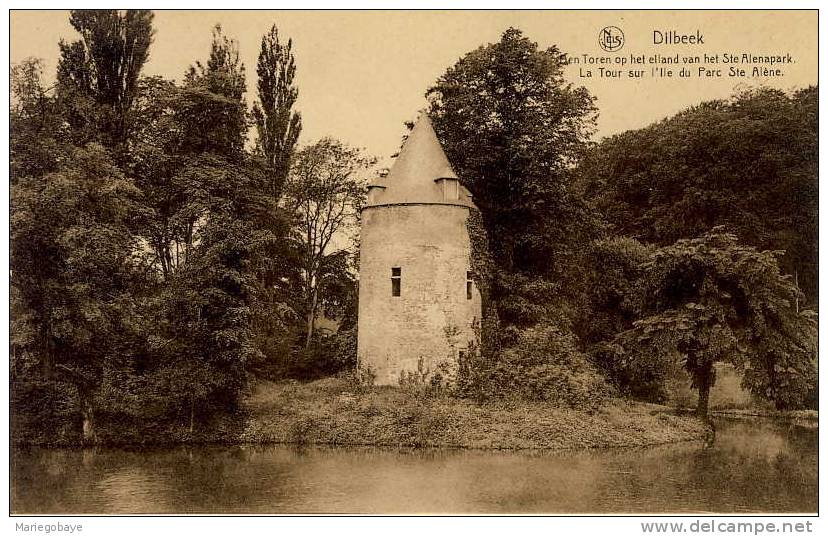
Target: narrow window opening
469, 283
396, 276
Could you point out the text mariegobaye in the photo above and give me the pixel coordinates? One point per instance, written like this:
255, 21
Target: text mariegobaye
47, 528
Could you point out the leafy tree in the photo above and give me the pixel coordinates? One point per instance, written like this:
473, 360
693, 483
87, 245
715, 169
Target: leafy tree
277, 125
36, 135
277, 128
177, 127
213, 111
614, 304
72, 263
205, 337
512, 128
210, 225
711, 299
325, 191
98, 74
138, 299
749, 162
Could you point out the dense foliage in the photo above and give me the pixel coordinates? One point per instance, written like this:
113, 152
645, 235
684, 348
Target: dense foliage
512, 127
749, 162
161, 259
574, 230
711, 299
154, 268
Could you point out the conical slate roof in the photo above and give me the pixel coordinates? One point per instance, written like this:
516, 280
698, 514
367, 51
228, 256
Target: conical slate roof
414, 177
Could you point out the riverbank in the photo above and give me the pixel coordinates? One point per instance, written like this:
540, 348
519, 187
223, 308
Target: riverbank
332, 412
335, 411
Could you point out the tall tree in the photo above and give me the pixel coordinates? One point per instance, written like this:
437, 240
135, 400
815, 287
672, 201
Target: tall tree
325, 191
512, 127
711, 299
177, 127
37, 137
277, 124
73, 265
209, 222
214, 111
103, 68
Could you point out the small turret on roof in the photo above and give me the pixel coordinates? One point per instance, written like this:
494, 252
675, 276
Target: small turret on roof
420, 174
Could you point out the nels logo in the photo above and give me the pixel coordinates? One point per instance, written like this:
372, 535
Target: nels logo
611, 38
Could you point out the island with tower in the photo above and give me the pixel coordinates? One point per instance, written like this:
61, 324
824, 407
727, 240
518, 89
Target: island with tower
418, 303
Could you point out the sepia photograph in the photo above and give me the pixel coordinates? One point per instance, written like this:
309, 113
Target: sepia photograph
413, 262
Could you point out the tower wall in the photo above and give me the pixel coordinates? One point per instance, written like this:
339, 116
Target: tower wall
430, 244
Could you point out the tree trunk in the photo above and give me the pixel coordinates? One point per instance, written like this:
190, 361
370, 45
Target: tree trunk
704, 401
311, 321
192, 413
48, 353
87, 409
704, 380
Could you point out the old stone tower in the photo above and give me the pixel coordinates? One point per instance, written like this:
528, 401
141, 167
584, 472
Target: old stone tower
417, 298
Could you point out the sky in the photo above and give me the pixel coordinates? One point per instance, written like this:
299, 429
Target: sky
362, 74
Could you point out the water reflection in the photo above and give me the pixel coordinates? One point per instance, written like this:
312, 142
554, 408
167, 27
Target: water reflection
754, 466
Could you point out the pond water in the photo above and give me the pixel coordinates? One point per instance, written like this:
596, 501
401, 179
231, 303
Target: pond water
753, 466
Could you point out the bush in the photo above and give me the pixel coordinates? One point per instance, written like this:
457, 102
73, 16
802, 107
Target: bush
427, 382
43, 411
542, 365
359, 380
638, 378
327, 355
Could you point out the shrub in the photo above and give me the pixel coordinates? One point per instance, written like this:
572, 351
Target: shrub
427, 382
639, 378
542, 365
359, 379
326, 355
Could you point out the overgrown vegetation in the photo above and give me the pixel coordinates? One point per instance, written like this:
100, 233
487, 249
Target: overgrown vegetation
581, 307
161, 264
156, 262
331, 411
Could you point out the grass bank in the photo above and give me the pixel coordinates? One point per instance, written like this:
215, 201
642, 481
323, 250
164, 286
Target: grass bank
332, 412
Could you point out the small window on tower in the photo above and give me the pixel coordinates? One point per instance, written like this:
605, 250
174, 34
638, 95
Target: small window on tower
450, 190
469, 283
396, 276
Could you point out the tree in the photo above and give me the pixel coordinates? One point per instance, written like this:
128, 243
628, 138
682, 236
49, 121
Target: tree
277, 125
614, 304
136, 300
74, 256
37, 141
213, 111
325, 191
277, 128
711, 299
749, 162
176, 127
512, 127
210, 224
73, 265
98, 74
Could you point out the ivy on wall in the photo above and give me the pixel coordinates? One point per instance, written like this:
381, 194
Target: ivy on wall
482, 268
